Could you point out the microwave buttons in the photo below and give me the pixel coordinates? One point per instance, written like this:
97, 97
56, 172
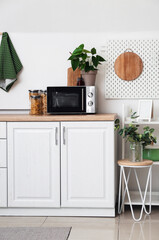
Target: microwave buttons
90, 103
90, 94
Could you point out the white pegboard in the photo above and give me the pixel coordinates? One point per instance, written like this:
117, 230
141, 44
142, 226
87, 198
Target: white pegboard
147, 85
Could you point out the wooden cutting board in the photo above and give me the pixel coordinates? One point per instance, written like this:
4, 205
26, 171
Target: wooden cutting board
128, 66
72, 76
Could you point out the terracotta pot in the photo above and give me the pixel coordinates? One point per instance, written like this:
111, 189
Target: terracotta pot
89, 77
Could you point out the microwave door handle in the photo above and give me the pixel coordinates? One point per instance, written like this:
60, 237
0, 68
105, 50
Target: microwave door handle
82, 100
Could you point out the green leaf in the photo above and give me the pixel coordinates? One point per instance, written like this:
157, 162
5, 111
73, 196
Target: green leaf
95, 61
81, 46
117, 121
93, 51
78, 50
117, 124
91, 68
87, 67
121, 131
100, 59
146, 128
133, 115
71, 57
86, 51
75, 64
84, 56
82, 66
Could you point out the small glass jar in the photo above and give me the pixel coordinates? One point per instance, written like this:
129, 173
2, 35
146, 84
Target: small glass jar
136, 152
35, 105
44, 102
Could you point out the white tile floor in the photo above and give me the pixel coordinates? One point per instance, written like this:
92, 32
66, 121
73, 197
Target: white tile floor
119, 228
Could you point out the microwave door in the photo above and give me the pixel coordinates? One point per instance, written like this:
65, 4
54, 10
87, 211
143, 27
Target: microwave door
67, 100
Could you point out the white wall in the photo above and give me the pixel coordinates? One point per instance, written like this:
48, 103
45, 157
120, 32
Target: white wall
79, 16
44, 57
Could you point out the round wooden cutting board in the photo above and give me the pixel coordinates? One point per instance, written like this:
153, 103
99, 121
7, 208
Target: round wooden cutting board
128, 66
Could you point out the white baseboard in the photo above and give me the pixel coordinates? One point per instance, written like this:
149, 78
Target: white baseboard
102, 212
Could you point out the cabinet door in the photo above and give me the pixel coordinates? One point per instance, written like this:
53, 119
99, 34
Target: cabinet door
2, 129
3, 162
87, 164
33, 164
3, 187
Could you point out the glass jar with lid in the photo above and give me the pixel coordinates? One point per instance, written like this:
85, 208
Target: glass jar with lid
35, 105
33, 93
44, 101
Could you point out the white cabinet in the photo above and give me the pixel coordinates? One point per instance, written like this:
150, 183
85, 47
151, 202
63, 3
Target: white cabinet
33, 164
59, 168
87, 164
3, 165
2, 129
3, 187
3, 162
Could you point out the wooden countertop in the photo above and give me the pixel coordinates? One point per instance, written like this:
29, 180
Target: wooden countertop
56, 118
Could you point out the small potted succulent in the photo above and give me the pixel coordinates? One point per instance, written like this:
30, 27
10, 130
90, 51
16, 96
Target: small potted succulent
87, 61
138, 141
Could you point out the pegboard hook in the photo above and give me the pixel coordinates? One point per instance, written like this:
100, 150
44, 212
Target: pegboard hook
128, 50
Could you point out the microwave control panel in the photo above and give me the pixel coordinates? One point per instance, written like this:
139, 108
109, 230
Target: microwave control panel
90, 99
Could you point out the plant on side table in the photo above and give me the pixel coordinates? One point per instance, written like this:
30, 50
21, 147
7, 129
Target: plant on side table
87, 61
137, 140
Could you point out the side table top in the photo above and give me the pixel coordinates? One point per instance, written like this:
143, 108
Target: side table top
126, 162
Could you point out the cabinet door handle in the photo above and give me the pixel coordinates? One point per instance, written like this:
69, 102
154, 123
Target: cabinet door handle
56, 136
64, 140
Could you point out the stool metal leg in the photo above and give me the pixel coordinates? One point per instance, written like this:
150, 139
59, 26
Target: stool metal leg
150, 188
123, 197
127, 190
149, 178
119, 210
142, 198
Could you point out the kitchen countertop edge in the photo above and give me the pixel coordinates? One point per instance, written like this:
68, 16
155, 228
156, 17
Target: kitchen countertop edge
56, 118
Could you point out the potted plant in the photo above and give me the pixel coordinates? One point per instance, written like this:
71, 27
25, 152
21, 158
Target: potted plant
137, 140
87, 61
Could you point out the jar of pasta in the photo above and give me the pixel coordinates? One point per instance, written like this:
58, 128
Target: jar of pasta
35, 105
44, 102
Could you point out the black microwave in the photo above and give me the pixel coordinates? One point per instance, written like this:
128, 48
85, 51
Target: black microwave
71, 100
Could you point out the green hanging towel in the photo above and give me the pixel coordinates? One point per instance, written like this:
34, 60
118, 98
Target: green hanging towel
10, 64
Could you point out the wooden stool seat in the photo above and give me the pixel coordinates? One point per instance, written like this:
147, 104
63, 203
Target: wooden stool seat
127, 162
